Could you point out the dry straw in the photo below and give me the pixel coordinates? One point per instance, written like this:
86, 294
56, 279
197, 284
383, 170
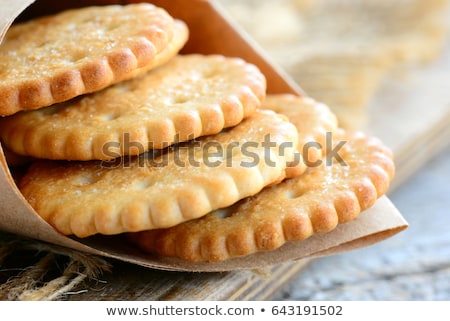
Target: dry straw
50, 273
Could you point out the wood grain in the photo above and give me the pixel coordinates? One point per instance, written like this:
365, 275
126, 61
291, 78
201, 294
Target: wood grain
131, 282
410, 112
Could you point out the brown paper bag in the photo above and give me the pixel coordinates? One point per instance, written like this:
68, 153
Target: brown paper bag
210, 32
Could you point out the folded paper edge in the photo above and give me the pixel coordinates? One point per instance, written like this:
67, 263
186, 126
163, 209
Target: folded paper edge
375, 224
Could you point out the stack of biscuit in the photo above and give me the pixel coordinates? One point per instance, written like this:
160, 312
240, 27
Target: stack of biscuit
185, 154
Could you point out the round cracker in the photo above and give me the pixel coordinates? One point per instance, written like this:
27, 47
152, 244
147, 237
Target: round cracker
54, 58
190, 96
186, 182
315, 202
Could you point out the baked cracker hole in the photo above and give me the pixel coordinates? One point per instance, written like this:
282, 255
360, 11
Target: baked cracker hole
209, 73
180, 99
141, 185
85, 180
109, 117
291, 194
113, 27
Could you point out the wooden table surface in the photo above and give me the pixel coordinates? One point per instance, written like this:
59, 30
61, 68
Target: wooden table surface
413, 265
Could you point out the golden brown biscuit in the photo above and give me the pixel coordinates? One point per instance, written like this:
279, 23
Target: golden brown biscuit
58, 57
156, 191
314, 121
189, 96
315, 202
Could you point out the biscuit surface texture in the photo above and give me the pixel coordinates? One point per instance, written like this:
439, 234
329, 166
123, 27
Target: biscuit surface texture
58, 57
157, 191
314, 121
189, 96
315, 202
